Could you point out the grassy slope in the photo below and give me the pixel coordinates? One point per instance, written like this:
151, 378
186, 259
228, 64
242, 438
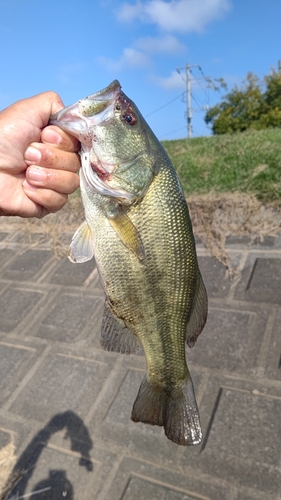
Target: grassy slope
248, 162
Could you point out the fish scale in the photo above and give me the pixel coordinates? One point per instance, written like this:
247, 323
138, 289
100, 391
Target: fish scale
139, 231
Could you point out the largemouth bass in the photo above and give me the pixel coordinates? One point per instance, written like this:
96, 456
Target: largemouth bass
138, 229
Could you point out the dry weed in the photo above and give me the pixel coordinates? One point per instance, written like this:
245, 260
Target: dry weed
7, 462
52, 228
214, 217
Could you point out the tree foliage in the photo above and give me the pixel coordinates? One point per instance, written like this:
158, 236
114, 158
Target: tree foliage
254, 105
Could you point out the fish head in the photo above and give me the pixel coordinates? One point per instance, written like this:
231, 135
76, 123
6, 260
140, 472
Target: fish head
117, 146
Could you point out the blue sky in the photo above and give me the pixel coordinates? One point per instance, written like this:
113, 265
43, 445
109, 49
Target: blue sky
78, 47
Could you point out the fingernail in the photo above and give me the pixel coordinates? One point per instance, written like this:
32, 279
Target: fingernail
51, 136
32, 155
36, 174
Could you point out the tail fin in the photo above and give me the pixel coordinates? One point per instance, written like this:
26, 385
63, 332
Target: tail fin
177, 412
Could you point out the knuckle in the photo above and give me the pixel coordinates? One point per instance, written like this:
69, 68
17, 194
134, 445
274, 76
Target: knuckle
56, 202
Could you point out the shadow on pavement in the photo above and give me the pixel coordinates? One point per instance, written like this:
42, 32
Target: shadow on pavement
56, 485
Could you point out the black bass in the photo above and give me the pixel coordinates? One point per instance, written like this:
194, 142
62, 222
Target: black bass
138, 229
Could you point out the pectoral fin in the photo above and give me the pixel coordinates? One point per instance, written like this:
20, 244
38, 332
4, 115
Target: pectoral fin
81, 248
128, 234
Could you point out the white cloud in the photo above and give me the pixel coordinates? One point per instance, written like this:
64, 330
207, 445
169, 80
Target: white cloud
166, 44
135, 58
130, 58
174, 81
168, 16
175, 15
139, 55
129, 12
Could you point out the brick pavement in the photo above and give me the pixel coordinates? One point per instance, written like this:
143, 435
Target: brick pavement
66, 403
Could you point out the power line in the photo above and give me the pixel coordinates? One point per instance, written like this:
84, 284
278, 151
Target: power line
195, 100
209, 83
189, 79
172, 132
164, 105
198, 80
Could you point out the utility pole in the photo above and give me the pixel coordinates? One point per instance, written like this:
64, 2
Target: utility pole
187, 69
279, 66
188, 102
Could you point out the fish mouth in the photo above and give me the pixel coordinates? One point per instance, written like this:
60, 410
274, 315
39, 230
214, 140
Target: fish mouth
102, 170
78, 120
94, 109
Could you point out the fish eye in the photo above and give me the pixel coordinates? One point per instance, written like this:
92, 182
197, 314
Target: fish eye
118, 107
130, 119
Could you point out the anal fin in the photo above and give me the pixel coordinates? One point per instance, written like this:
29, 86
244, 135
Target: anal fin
115, 336
199, 313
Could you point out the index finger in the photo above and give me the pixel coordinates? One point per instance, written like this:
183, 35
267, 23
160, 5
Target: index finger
59, 139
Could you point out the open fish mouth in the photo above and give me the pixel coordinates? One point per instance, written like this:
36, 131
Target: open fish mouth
79, 118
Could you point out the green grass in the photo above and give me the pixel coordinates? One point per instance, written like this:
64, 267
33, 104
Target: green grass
247, 162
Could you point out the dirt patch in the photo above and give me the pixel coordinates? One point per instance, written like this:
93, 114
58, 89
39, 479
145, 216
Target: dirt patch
217, 216
52, 228
214, 218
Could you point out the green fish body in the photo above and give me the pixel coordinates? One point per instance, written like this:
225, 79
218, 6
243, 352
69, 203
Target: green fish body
138, 229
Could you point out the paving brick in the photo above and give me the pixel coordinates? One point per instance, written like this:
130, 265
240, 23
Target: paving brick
5, 438
273, 356
28, 265
15, 428
3, 235
140, 480
69, 464
5, 255
230, 340
95, 285
260, 280
142, 489
26, 238
254, 496
69, 274
140, 439
137, 438
14, 360
66, 403
67, 317
55, 474
15, 304
63, 382
93, 330
214, 276
267, 241
240, 440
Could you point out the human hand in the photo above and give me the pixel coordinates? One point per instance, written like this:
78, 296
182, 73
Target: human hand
38, 163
